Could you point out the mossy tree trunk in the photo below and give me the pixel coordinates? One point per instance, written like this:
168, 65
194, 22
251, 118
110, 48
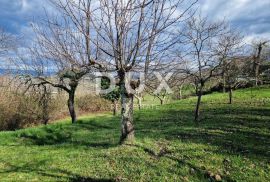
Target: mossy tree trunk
230, 94
127, 126
115, 107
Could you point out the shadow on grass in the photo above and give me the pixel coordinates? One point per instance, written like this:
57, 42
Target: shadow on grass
88, 133
236, 130
56, 173
200, 172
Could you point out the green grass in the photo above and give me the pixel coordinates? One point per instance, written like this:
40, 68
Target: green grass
232, 141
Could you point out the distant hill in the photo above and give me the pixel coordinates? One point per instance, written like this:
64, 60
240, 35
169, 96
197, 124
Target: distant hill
16, 71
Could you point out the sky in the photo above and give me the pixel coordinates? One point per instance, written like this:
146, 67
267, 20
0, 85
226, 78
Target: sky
252, 17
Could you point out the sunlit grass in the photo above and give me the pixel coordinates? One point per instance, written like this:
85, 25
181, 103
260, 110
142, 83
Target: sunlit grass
232, 141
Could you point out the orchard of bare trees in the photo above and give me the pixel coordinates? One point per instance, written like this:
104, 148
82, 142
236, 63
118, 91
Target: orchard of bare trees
148, 47
134, 90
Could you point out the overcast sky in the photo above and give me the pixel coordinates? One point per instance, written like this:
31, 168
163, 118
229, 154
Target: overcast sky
252, 17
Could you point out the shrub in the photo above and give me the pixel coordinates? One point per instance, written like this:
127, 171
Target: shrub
20, 110
90, 103
17, 111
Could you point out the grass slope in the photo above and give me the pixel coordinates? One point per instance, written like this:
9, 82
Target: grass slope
232, 141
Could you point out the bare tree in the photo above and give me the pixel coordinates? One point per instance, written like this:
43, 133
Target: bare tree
139, 97
233, 68
112, 35
132, 33
201, 38
42, 69
229, 51
63, 53
7, 42
179, 80
258, 46
228, 47
162, 96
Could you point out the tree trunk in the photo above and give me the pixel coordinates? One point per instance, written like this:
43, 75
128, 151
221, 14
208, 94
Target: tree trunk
257, 63
127, 128
71, 107
140, 103
230, 95
161, 101
257, 68
224, 76
45, 105
139, 99
45, 114
196, 89
180, 96
197, 110
114, 107
224, 83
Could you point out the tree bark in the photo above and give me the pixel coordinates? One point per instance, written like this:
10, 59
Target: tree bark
196, 89
161, 101
71, 107
224, 83
127, 127
45, 114
197, 110
140, 103
45, 99
224, 76
257, 63
257, 68
139, 99
114, 107
180, 96
230, 95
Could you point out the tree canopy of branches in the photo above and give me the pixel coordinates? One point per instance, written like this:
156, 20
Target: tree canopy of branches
229, 47
62, 53
7, 42
132, 33
257, 57
203, 59
48, 71
107, 35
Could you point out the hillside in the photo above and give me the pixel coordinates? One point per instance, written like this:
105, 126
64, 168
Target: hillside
232, 143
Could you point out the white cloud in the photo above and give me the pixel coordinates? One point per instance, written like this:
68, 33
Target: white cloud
250, 38
249, 16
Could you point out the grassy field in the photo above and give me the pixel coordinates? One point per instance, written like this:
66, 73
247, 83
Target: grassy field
232, 142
